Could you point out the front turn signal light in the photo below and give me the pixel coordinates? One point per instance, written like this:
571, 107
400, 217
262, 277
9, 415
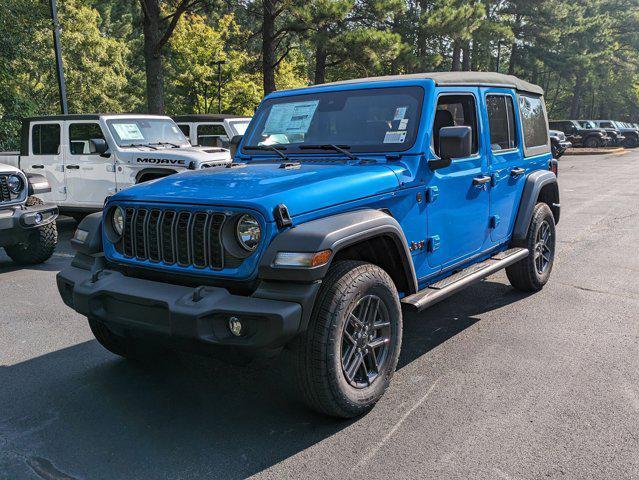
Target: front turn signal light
302, 259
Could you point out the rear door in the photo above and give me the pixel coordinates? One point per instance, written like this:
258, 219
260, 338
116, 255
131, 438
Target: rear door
90, 176
458, 218
46, 158
506, 161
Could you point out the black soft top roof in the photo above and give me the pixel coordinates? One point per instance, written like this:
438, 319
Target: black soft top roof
457, 78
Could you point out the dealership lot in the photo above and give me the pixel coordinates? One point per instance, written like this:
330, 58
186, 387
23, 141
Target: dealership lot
491, 383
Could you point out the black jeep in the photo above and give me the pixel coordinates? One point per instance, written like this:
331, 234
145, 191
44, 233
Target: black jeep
579, 136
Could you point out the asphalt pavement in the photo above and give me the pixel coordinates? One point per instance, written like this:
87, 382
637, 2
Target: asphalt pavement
491, 383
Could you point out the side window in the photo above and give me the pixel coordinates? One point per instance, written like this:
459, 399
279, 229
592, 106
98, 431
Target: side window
207, 135
501, 121
79, 136
186, 130
45, 139
606, 125
533, 121
455, 111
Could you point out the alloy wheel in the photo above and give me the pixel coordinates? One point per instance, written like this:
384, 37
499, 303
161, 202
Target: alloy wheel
543, 248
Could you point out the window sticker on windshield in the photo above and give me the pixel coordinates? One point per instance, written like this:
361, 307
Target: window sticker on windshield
128, 131
403, 124
394, 137
290, 118
400, 113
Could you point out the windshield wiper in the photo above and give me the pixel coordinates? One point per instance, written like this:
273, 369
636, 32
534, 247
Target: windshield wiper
140, 145
272, 148
329, 146
174, 145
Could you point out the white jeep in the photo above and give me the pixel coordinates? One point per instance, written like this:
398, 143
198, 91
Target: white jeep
27, 225
86, 158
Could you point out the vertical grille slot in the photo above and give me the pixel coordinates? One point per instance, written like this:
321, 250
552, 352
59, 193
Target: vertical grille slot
153, 235
198, 239
127, 236
216, 252
182, 234
139, 228
5, 194
166, 237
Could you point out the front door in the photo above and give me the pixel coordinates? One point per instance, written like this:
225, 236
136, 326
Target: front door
90, 176
507, 167
458, 195
46, 158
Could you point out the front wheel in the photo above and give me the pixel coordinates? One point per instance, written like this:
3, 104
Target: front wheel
39, 245
533, 272
346, 359
593, 142
631, 142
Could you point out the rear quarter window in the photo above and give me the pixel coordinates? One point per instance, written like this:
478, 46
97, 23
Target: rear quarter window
534, 124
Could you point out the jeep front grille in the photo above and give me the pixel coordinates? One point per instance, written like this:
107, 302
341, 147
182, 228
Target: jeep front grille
173, 237
5, 194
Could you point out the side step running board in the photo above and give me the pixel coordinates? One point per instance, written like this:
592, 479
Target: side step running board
445, 288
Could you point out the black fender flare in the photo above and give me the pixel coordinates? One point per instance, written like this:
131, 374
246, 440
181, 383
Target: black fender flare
535, 183
164, 171
335, 233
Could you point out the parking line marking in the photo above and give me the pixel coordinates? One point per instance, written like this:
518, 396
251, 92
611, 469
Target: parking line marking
373, 451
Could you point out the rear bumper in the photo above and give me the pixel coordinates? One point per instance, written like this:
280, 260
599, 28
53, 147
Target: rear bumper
17, 221
188, 318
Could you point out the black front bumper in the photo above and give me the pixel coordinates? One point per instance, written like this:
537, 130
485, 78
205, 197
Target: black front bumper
188, 318
17, 221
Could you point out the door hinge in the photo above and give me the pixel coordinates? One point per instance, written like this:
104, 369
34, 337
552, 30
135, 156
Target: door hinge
431, 194
494, 221
433, 243
110, 168
62, 190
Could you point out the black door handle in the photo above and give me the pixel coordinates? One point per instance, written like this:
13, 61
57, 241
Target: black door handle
73, 167
481, 181
515, 172
37, 166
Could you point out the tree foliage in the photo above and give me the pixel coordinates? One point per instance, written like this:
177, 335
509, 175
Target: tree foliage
585, 53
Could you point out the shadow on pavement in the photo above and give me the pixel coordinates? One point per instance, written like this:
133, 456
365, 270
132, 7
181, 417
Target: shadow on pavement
88, 414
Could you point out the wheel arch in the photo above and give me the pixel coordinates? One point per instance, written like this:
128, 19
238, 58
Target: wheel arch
152, 173
541, 186
369, 235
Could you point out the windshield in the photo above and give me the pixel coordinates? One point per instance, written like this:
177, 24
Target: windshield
240, 126
367, 120
144, 131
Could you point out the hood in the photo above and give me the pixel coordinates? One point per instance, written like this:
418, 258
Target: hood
177, 157
262, 186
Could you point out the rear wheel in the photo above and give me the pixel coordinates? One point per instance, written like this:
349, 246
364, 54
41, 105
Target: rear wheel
593, 142
631, 142
39, 245
346, 359
533, 272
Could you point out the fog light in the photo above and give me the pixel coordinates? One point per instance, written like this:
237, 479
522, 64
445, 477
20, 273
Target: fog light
235, 326
38, 217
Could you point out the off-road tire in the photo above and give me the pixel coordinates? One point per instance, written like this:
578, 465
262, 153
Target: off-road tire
631, 142
317, 353
593, 142
40, 243
128, 348
524, 275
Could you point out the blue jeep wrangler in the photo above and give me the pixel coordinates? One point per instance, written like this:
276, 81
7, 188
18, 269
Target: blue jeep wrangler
345, 203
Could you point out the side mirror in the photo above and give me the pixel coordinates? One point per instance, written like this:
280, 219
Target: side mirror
98, 145
233, 144
454, 142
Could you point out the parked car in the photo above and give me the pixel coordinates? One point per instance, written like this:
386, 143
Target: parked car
631, 134
28, 231
380, 193
86, 158
558, 143
580, 136
212, 130
616, 137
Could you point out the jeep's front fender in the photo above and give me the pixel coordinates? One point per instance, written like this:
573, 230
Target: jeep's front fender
336, 233
540, 186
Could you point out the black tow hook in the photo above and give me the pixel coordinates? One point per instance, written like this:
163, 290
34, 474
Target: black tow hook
198, 294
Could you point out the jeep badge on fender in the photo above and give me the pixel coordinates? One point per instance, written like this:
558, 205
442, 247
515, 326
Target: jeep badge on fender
354, 201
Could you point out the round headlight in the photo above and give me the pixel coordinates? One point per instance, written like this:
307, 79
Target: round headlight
248, 232
117, 221
15, 184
